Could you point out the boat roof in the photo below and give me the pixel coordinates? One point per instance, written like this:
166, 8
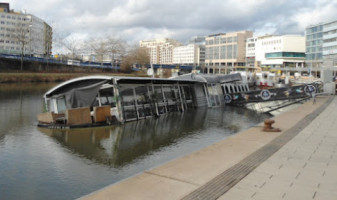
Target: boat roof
211, 78
89, 80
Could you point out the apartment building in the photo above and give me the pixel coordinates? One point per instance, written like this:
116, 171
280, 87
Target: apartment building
19, 30
226, 50
280, 51
191, 54
160, 50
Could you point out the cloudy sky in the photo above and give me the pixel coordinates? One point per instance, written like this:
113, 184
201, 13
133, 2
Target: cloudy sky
134, 20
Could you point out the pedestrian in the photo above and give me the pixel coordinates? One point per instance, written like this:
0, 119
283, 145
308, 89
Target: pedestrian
313, 95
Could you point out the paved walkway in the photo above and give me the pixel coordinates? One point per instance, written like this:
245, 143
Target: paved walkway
304, 168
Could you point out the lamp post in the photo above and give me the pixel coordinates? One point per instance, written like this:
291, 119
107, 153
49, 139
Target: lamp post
30, 39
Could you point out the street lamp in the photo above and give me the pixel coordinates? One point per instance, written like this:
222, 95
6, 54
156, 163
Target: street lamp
30, 39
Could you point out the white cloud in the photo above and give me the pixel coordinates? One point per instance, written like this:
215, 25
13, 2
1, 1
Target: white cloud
134, 20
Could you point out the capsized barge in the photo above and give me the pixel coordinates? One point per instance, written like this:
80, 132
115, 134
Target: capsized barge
103, 100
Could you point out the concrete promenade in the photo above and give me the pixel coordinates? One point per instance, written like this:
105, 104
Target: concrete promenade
303, 167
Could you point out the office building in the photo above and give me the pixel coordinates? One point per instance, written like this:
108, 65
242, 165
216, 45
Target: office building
226, 50
314, 45
250, 51
280, 51
22, 32
321, 44
330, 42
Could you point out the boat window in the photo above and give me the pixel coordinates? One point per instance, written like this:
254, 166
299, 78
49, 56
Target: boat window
212, 95
233, 89
142, 96
225, 89
158, 93
187, 92
107, 97
50, 105
61, 105
219, 89
218, 93
169, 93
127, 96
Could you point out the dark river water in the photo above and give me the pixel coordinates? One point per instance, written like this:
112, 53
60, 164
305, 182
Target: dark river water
38, 163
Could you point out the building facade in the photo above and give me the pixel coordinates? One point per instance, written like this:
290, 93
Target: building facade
250, 51
21, 32
321, 44
314, 45
160, 50
191, 54
226, 50
280, 51
330, 42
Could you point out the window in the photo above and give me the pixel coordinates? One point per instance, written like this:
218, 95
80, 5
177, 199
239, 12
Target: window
127, 96
107, 97
229, 52
61, 105
142, 96
235, 39
235, 51
285, 55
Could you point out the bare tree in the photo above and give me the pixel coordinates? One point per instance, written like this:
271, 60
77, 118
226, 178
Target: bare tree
21, 35
128, 61
99, 48
142, 56
116, 48
73, 44
135, 55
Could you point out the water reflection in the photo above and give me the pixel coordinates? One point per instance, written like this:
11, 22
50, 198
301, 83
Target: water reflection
19, 104
120, 145
67, 164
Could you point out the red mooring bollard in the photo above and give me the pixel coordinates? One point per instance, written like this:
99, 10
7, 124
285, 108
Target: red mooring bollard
268, 126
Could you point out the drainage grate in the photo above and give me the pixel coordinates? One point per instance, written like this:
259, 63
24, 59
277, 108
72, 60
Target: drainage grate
226, 180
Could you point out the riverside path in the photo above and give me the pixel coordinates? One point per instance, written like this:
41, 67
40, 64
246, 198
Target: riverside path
300, 162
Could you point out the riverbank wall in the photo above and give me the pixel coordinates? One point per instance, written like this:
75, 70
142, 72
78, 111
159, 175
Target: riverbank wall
14, 65
33, 71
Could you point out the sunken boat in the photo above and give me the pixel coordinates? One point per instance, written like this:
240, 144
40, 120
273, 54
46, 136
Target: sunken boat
104, 100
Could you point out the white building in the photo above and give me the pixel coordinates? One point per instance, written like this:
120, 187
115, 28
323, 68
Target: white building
20, 30
250, 51
191, 54
280, 51
321, 44
160, 50
330, 42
